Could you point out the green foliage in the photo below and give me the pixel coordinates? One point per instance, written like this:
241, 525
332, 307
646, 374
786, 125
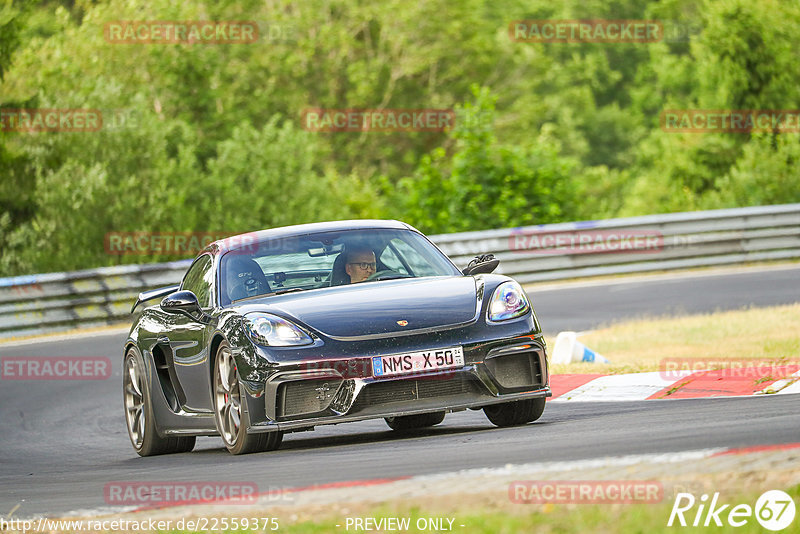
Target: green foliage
485, 184
12, 15
145, 177
767, 173
275, 169
212, 139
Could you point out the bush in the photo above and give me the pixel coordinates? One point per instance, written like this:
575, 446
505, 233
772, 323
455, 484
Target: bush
483, 184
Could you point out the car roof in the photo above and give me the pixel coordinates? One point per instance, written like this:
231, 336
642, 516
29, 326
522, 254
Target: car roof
233, 242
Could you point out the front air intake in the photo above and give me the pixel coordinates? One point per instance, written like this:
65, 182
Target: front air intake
405, 390
305, 397
517, 371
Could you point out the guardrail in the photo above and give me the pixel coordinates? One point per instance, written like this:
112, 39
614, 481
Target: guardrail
676, 241
57, 301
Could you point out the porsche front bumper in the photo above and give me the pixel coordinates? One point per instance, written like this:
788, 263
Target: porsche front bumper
299, 397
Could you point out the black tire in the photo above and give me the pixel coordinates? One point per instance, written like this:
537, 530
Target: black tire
139, 412
228, 407
515, 413
411, 422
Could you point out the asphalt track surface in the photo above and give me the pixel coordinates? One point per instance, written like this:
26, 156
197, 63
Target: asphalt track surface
589, 306
62, 441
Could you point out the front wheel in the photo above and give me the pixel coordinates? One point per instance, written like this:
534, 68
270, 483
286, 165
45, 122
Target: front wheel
139, 413
232, 420
411, 422
515, 413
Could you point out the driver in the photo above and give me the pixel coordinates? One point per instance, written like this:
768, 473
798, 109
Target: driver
359, 264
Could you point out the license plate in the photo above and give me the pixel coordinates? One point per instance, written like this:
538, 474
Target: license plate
417, 362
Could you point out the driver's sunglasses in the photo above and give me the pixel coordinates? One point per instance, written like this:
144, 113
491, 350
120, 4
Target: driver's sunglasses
366, 265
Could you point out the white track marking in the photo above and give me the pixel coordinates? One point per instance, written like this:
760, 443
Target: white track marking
580, 465
782, 385
793, 388
635, 386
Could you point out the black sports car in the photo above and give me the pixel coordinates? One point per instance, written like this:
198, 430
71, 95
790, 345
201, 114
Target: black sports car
285, 329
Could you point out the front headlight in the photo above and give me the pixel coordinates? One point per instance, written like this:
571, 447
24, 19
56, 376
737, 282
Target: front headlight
509, 301
271, 330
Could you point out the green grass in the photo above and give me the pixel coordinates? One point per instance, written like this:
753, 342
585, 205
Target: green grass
547, 518
771, 333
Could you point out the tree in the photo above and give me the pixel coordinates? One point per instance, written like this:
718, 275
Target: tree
484, 184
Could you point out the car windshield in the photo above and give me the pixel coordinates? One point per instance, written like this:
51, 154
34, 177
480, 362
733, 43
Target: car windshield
324, 259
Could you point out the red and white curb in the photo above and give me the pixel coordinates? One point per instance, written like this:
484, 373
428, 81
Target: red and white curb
684, 384
480, 479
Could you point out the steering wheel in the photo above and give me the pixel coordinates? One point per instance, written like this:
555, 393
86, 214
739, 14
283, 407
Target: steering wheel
386, 272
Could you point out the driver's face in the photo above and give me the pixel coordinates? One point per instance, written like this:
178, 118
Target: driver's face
354, 267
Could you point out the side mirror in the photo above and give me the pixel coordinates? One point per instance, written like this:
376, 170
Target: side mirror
482, 264
181, 302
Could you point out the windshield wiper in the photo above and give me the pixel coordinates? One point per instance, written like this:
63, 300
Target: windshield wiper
391, 277
270, 294
284, 291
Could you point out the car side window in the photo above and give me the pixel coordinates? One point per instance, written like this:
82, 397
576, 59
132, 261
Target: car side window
411, 256
200, 281
391, 261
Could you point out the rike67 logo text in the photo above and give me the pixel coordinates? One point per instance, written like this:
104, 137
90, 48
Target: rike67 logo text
774, 510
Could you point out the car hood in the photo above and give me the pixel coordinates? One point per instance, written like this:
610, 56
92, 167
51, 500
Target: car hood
380, 308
